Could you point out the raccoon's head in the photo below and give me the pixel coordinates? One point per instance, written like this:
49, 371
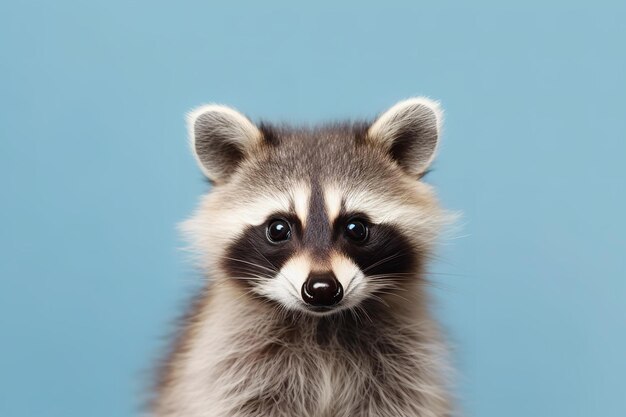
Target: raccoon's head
317, 219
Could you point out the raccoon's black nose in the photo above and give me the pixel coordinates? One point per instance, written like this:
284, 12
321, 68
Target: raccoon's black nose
322, 290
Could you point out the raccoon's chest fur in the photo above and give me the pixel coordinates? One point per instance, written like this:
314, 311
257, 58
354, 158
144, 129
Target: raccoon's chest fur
249, 362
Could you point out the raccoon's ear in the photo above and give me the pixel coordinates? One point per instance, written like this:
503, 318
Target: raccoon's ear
409, 132
221, 138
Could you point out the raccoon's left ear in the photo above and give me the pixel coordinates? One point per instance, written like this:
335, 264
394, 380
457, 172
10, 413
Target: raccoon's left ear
409, 132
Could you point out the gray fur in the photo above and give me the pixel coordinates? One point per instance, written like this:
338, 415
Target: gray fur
242, 355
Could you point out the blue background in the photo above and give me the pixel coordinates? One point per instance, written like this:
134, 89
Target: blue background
96, 173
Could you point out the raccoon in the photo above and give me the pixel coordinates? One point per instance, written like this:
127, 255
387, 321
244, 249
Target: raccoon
314, 242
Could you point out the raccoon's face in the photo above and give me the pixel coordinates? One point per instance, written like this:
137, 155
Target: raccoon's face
317, 220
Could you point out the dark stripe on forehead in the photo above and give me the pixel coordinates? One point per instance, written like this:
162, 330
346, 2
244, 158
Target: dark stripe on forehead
317, 232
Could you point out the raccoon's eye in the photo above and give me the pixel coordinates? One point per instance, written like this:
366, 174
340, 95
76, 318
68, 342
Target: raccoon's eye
278, 231
356, 230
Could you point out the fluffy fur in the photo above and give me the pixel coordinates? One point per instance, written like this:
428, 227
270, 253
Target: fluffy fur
249, 345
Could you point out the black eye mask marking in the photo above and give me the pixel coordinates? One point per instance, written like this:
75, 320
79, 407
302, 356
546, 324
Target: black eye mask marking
385, 251
252, 256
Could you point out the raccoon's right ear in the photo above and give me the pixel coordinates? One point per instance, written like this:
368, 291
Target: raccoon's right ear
409, 132
221, 138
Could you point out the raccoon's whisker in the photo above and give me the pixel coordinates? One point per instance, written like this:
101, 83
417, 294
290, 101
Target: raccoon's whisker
384, 260
355, 315
264, 257
391, 281
254, 278
261, 278
295, 290
387, 276
379, 299
362, 312
391, 293
436, 285
276, 270
250, 263
389, 290
251, 272
387, 283
395, 274
440, 259
446, 274
390, 287
250, 293
360, 308
374, 285
351, 285
250, 277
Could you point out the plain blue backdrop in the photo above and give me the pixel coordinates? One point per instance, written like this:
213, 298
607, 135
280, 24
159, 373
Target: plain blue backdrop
96, 173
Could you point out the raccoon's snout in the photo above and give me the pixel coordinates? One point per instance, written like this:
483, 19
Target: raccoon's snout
322, 290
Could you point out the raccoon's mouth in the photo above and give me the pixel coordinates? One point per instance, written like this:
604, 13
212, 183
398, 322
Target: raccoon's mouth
321, 309
330, 310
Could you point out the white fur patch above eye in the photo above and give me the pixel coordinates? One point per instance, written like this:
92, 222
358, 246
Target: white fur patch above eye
261, 209
295, 198
332, 202
379, 208
301, 195
419, 219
